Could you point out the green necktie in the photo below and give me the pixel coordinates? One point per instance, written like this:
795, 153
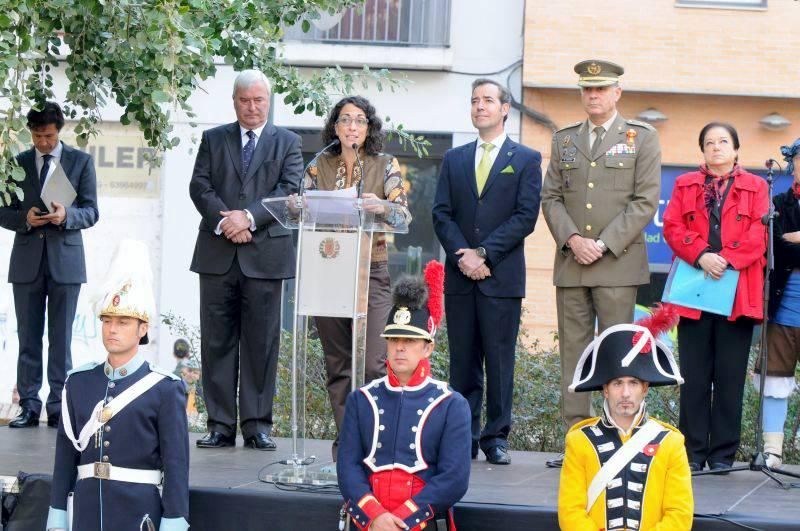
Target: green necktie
484, 167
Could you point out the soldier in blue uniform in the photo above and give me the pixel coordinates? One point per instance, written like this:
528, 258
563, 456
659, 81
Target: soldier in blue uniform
122, 452
404, 457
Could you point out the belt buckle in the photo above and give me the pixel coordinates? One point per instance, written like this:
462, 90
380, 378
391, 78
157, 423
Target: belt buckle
102, 470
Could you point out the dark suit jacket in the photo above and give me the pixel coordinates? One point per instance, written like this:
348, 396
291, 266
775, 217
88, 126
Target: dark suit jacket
65, 255
787, 254
218, 184
498, 220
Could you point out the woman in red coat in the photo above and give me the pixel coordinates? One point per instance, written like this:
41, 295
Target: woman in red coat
713, 221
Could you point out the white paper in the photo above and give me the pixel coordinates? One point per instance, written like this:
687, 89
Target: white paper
57, 188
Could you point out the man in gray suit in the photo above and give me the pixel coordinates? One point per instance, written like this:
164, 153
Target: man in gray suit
601, 190
47, 261
242, 255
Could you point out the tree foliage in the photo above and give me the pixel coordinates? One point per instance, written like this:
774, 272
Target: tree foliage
148, 57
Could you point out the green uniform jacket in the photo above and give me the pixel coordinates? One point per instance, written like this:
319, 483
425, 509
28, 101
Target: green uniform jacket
611, 197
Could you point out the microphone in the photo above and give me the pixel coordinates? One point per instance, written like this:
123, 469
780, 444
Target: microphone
361, 167
769, 163
312, 161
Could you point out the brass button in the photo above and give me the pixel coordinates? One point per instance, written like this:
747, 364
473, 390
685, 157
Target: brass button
621, 164
566, 165
41, 235
589, 206
593, 164
106, 444
624, 250
107, 428
105, 458
111, 385
591, 185
588, 227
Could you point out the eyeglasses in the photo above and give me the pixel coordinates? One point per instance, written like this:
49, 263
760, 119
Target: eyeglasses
347, 120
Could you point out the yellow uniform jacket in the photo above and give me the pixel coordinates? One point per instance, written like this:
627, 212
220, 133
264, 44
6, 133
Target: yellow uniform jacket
652, 493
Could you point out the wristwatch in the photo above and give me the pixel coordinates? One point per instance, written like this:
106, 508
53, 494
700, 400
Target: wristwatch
602, 245
480, 251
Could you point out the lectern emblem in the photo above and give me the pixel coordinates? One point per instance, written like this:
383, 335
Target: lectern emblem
329, 248
402, 316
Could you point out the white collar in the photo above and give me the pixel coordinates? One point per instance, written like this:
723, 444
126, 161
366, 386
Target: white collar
606, 126
243, 130
496, 142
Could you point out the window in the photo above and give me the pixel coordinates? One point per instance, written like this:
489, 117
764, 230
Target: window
733, 4
386, 22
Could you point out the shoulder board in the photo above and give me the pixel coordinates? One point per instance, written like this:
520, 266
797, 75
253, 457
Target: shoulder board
570, 126
83, 368
165, 372
640, 124
664, 424
584, 423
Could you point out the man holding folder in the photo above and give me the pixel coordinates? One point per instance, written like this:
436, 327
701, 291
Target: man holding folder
47, 260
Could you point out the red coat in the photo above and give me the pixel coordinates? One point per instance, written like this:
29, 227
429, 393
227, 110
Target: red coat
686, 225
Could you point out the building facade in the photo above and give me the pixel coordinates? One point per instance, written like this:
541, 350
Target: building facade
686, 63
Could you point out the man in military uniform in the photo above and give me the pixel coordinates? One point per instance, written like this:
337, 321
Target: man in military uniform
601, 190
122, 452
623, 469
404, 455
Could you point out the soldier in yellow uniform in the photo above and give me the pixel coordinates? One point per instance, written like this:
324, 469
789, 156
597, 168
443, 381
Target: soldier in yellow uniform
625, 470
600, 192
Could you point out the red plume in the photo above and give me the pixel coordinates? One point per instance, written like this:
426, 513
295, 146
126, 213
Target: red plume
434, 278
663, 318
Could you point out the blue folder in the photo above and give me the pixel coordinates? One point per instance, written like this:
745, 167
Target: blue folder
689, 286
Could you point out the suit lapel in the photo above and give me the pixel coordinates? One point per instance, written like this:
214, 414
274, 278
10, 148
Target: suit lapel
613, 136
28, 163
468, 160
260, 154
233, 139
507, 151
582, 140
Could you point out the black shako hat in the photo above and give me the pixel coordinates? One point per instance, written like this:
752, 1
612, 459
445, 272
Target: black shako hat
417, 305
625, 350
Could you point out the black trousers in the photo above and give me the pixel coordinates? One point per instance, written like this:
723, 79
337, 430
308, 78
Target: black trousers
713, 357
482, 330
31, 300
240, 324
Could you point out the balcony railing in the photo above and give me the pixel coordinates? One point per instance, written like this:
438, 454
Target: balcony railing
386, 22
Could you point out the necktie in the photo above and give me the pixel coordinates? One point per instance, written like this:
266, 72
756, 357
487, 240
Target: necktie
484, 166
598, 138
45, 167
247, 151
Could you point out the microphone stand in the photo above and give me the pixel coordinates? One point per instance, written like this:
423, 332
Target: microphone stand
359, 323
758, 462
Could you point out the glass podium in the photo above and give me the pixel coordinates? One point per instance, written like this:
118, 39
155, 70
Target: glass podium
334, 246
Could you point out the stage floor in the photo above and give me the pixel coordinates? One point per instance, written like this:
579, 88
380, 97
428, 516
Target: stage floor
526, 487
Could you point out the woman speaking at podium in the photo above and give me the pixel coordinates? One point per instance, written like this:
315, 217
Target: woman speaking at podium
376, 175
713, 222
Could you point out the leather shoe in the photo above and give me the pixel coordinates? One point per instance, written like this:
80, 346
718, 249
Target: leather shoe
497, 455
558, 462
215, 439
52, 422
261, 441
723, 468
695, 467
26, 419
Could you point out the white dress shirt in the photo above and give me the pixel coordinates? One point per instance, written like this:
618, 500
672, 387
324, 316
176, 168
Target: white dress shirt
497, 143
56, 154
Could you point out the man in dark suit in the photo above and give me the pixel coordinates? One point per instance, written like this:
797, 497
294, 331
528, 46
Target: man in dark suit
242, 255
47, 261
487, 202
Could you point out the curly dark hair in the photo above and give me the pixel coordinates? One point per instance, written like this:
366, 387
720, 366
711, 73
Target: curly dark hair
374, 142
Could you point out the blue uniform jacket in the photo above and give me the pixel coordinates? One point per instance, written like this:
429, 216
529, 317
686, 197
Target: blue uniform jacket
404, 449
151, 433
